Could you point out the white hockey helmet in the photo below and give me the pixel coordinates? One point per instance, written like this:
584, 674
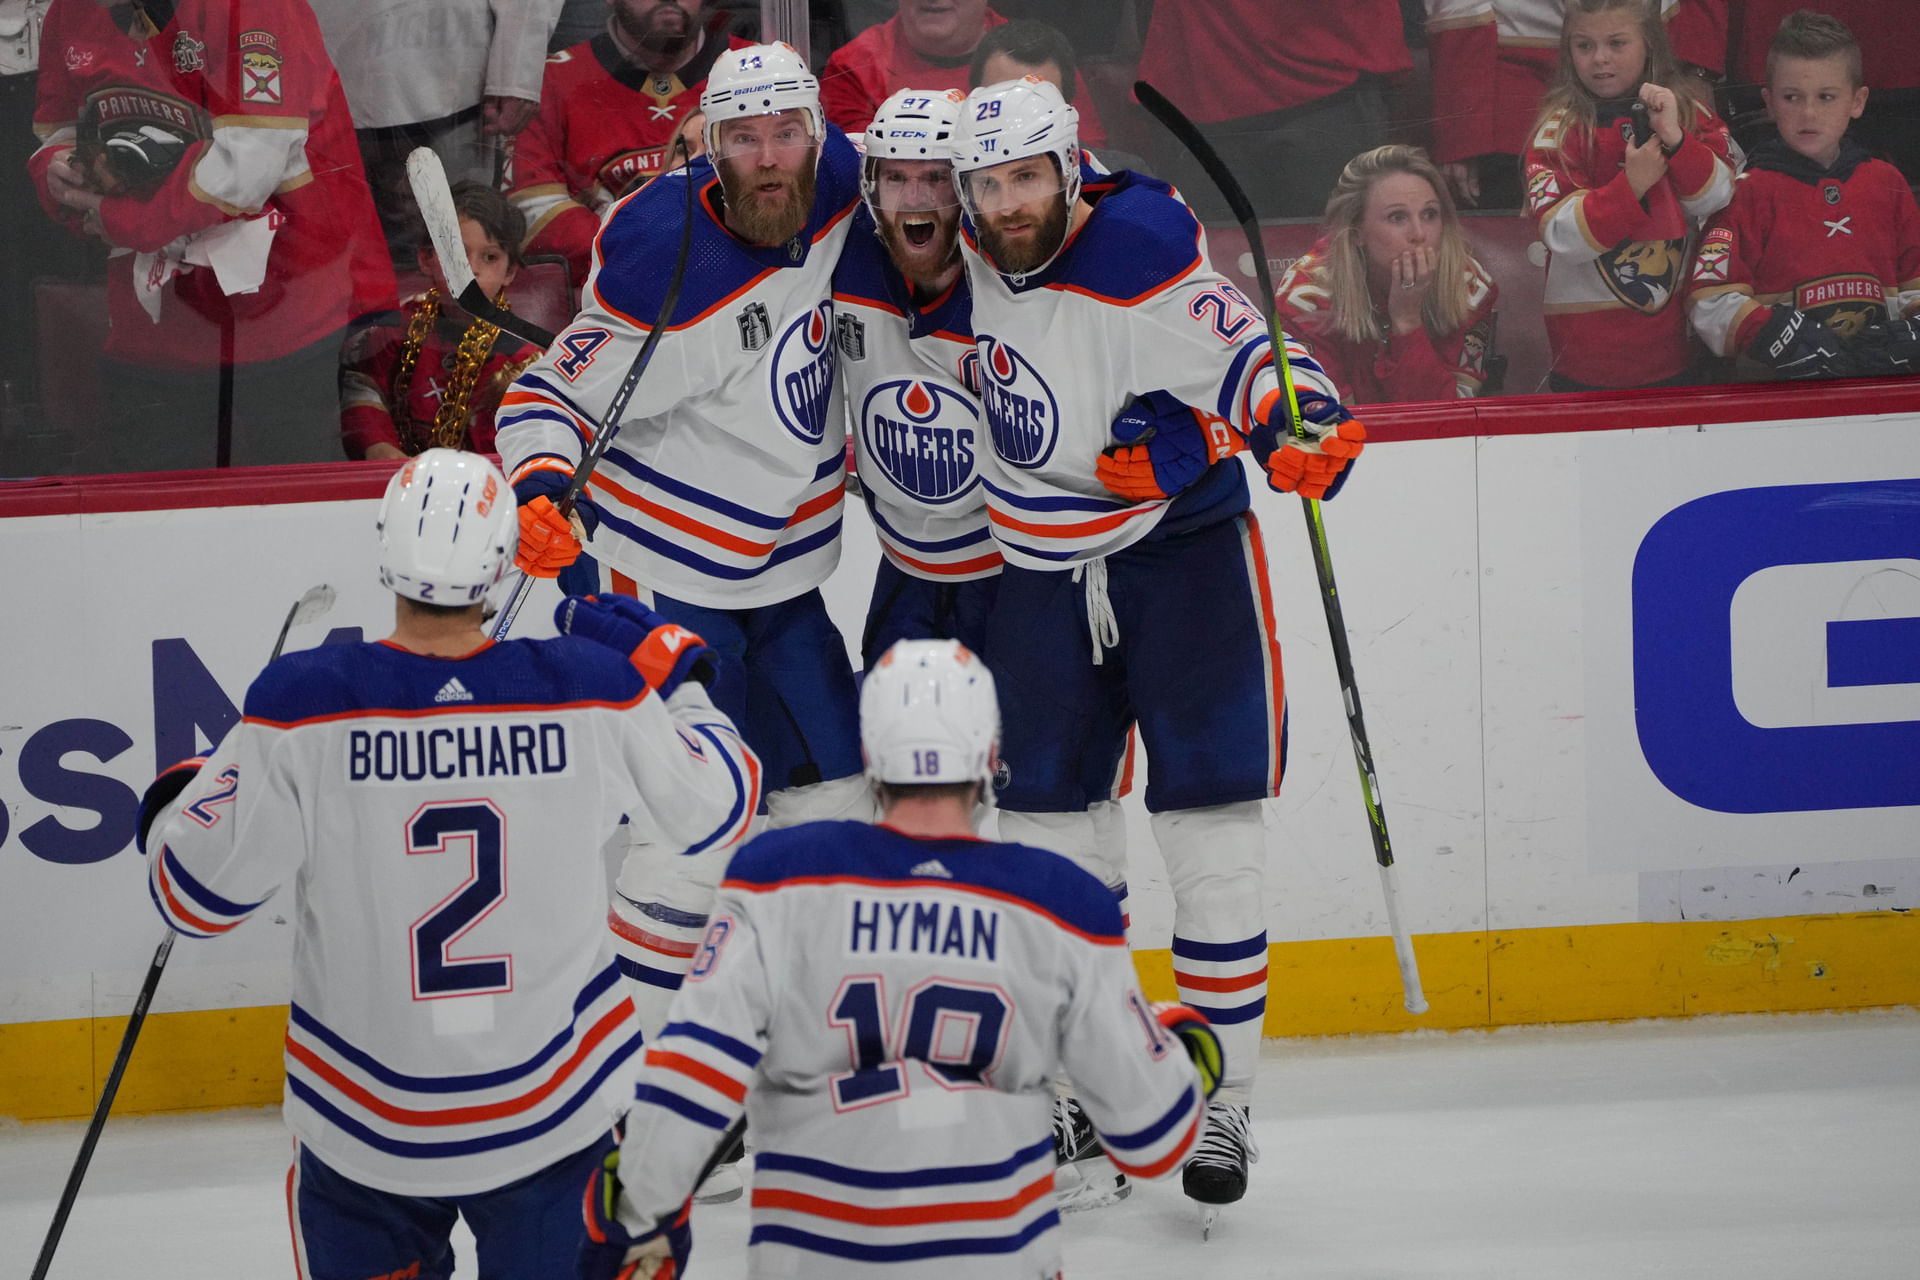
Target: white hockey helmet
448, 528
760, 80
914, 124
929, 714
1012, 121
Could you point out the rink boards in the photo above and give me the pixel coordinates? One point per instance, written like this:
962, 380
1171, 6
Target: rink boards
1642, 684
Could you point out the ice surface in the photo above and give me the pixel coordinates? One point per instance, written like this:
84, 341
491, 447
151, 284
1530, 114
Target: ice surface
1761, 1145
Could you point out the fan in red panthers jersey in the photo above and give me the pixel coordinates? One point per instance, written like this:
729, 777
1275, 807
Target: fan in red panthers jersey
609, 110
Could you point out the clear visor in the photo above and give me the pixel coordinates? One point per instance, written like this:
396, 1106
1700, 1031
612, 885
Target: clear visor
897, 187
1004, 187
774, 141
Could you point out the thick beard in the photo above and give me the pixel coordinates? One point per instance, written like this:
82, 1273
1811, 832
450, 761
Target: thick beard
650, 39
893, 239
1015, 260
751, 219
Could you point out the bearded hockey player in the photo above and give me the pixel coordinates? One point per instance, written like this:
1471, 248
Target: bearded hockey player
452, 1051
1136, 583
888, 1004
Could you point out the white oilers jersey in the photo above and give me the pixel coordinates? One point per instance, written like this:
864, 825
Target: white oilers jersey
909, 374
725, 485
891, 1011
1131, 305
458, 1020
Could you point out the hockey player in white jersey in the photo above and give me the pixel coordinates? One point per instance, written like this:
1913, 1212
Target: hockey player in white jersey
720, 500
460, 1041
888, 1004
1136, 587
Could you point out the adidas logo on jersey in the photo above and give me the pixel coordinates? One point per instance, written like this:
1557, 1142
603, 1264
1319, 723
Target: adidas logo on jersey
453, 691
932, 867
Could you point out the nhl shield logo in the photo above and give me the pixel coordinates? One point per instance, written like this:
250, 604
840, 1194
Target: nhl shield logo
1021, 410
1830, 192
923, 436
802, 374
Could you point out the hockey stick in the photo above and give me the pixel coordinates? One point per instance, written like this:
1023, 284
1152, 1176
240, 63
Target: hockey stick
609, 424
1192, 139
308, 607
428, 178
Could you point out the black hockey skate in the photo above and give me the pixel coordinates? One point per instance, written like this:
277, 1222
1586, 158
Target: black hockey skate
1083, 1177
1216, 1173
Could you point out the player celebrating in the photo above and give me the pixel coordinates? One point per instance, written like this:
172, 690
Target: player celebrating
909, 369
1153, 605
887, 1003
452, 1052
722, 495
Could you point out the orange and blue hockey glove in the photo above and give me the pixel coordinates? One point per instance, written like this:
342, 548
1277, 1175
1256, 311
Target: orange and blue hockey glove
663, 652
549, 542
1197, 1035
1314, 466
1164, 446
615, 1250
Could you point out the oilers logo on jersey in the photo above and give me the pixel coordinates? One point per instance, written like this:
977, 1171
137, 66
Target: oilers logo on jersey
923, 436
803, 374
1021, 410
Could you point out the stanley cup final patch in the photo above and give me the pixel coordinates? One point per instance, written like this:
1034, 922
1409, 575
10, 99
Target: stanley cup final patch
259, 68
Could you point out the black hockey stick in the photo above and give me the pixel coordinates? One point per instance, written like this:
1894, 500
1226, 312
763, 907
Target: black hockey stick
428, 178
609, 424
1202, 150
308, 607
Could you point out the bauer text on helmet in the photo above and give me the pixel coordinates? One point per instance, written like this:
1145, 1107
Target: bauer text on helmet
929, 716
762, 80
447, 528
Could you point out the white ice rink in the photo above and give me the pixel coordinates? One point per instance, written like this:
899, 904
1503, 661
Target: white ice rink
1781, 1146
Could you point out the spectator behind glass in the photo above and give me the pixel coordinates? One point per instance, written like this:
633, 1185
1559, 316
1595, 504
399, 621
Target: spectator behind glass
928, 44
1889, 36
215, 149
1814, 268
1491, 63
1617, 216
454, 75
436, 379
1391, 301
609, 110
1286, 90
1024, 47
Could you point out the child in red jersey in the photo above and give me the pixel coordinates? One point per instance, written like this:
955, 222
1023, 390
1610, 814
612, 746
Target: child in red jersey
1617, 213
437, 377
1814, 268
1390, 301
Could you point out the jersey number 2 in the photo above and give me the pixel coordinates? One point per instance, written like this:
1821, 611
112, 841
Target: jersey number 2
434, 829
957, 1029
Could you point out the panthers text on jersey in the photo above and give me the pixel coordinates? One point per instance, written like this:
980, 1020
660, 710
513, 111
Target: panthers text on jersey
458, 1021
725, 485
891, 1011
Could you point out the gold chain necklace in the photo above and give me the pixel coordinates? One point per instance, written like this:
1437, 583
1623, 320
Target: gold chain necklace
449, 428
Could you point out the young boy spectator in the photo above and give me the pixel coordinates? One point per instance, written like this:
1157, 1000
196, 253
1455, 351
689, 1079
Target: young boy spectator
437, 377
1814, 268
926, 45
609, 109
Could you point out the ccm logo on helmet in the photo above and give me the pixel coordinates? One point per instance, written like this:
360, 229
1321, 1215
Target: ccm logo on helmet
1021, 410
803, 374
923, 435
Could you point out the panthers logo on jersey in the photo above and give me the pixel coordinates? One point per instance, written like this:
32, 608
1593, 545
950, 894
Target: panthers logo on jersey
1644, 274
802, 374
1021, 409
923, 436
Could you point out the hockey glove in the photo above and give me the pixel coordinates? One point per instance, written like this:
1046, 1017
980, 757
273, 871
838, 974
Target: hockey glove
549, 542
161, 792
1795, 345
665, 653
1199, 1039
615, 1251
1165, 445
1887, 349
1316, 466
